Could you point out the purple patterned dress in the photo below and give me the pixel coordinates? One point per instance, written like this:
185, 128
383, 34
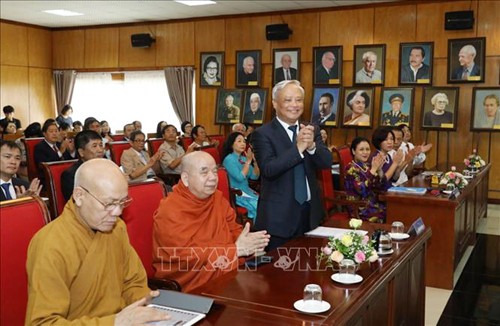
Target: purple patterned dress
360, 184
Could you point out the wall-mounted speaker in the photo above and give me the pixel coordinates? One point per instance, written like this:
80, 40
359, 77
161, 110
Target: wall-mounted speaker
141, 40
456, 20
277, 32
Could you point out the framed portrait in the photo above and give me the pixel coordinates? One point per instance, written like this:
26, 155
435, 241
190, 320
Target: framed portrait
228, 106
254, 106
485, 114
211, 69
369, 64
357, 104
466, 60
286, 64
327, 65
439, 108
396, 106
325, 104
415, 63
248, 68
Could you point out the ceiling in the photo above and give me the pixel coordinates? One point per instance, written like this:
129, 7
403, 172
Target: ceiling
119, 12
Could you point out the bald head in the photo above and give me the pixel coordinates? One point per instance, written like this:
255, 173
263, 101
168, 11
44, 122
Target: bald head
199, 174
99, 173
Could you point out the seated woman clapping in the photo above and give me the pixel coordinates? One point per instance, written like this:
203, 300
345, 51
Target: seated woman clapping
364, 180
238, 164
383, 140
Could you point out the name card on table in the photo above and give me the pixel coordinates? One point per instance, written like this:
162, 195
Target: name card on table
417, 227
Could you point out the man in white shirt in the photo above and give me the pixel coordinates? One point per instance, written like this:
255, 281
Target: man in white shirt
12, 187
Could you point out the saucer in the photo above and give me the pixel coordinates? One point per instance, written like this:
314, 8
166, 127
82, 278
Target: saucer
447, 192
468, 176
385, 252
315, 308
399, 236
337, 277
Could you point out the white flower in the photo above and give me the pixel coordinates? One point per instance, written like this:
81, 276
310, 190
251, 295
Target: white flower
355, 223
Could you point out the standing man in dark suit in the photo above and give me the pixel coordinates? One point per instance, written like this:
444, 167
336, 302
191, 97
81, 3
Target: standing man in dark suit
327, 70
289, 154
12, 187
286, 71
468, 68
50, 149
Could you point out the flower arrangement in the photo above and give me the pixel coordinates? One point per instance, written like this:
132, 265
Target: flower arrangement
474, 161
350, 245
453, 180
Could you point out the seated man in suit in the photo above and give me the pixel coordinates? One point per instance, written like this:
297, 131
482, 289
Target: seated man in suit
50, 149
289, 153
81, 267
127, 130
286, 71
13, 187
135, 161
89, 145
468, 68
195, 235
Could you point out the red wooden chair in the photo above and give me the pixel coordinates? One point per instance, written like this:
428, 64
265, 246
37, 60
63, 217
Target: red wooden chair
29, 144
53, 172
221, 140
345, 157
154, 144
20, 219
333, 199
118, 137
212, 150
230, 194
186, 141
169, 178
138, 217
116, 148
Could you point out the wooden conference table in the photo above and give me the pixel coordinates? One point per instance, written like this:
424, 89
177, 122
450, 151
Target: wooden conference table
392, 291
453, 221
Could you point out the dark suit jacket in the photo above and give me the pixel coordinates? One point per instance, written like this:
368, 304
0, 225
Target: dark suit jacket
243, 78
68, 180
15, 182
457, 74
316, 119
323, 77
251, 117
44, 153
279, 74
422, 73
4, 122
278, 212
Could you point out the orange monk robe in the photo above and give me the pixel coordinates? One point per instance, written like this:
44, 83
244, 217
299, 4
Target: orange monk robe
194, 239
80, 277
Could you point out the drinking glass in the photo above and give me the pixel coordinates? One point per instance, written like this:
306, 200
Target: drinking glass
397, 227
312, 294
347, 268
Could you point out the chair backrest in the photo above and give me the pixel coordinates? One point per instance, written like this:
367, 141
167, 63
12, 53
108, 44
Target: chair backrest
212, 150
345, 157
221, 140
20, 219
118, 137
151, 135
154, 144
186, 141
116, 148
223, 184
29, 145
139, 218
53, 172
12, 137
326, 184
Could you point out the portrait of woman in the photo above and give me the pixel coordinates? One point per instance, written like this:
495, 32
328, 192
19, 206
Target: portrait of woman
212, 73
486, 109
440, 108
357, 107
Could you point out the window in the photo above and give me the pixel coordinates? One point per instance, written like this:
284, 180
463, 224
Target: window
136, 95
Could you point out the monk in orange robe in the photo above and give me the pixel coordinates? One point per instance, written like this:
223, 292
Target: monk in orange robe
195, 235
81, 267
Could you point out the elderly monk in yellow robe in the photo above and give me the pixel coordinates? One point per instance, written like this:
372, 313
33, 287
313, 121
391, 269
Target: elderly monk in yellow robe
81, 267
195, 235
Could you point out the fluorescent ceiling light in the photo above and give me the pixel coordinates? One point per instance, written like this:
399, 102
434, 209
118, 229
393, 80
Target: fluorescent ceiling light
62, 12
196, 2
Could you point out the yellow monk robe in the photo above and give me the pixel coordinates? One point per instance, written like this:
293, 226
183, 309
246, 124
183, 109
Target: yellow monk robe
80, 277
194, 239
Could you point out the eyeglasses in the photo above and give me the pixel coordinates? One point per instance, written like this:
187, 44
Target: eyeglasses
111, 206
139, 140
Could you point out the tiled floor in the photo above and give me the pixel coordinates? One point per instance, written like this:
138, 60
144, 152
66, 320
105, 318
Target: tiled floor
475, 299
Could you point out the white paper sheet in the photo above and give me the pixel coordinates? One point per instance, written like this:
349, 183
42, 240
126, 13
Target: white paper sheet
322, 231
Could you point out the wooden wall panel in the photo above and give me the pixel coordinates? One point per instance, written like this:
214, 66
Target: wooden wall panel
346, 28
209, 36
247, 33
205, 113
15, 91
68, 49
488, 25
39, 48
494, 182
101, 48
136, 57
13, 44
41, 98
430, 24
175, 44
305, 35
